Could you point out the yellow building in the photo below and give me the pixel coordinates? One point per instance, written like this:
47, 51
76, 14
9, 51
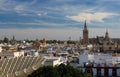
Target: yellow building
44, 42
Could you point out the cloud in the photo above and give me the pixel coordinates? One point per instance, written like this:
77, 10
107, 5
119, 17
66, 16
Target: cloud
109, 0
63, 0
42, 14
2, 2
56, 14
19, 8
98, 16
6, 5
37, 23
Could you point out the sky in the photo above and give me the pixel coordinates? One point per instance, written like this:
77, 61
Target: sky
58, 19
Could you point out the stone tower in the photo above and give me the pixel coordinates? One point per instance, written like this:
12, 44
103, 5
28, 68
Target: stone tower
44, 42
107, 36
85, 35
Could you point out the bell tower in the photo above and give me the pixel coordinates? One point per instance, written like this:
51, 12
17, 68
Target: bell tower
85, 34
107, 35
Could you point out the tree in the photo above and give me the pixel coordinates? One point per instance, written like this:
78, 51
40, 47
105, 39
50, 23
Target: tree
6, 40
45, 71
58, 71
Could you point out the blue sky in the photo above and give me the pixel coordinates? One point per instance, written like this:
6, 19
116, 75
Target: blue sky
58, 19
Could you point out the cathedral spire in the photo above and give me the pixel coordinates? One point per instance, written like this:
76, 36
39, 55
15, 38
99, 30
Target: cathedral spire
85, 34
106, 31
13, 37
85, 25
106, 35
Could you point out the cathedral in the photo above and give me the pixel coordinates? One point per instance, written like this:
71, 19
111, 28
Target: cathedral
85, 35
101, 43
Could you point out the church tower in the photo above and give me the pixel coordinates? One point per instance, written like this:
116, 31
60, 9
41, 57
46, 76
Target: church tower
85, 35
44, 42
107, 35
